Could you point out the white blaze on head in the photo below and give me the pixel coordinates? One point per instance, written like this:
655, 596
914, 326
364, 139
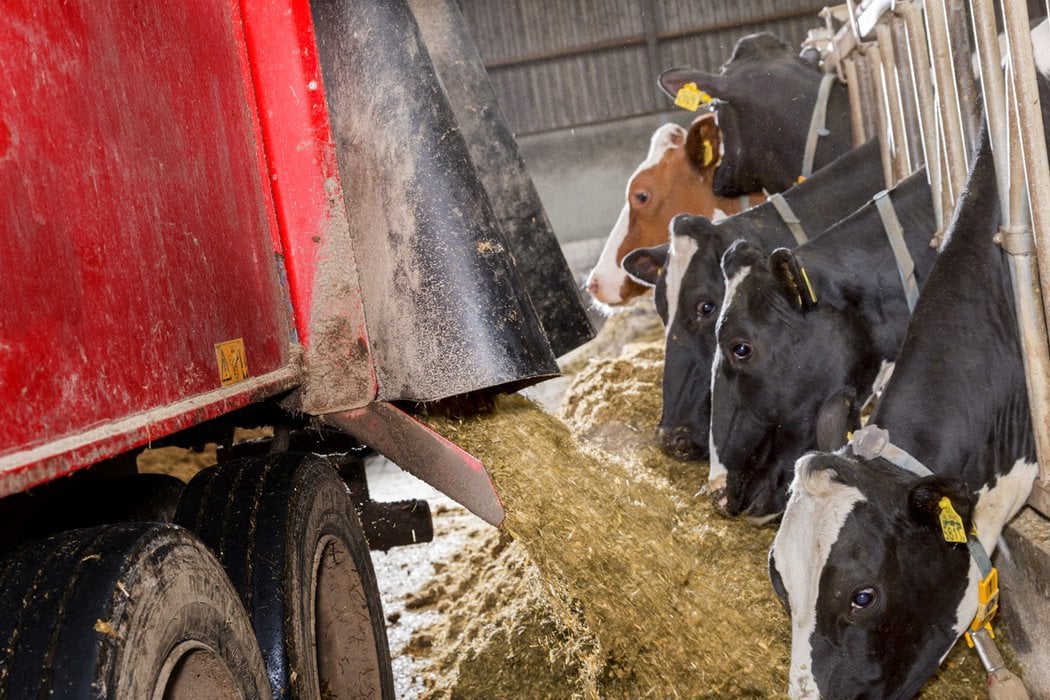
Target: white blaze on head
679, 254
816, 512
607, 277
716, 476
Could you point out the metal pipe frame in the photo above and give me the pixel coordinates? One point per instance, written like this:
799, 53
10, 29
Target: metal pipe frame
906, 85
922, 75
882, 128
856, 106
894, 108
1029, 120
947, 100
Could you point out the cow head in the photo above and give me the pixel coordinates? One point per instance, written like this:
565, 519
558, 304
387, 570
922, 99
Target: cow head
765, 97
876, 595
780, 355
674, 178
688, 295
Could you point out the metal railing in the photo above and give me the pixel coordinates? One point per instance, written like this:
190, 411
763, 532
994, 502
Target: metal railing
907, 64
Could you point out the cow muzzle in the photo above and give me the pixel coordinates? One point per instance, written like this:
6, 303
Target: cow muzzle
679, 444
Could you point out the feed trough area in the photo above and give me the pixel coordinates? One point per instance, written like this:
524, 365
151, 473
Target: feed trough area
612, 576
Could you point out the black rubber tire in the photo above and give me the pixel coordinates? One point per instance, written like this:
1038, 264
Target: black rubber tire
285, 529
124, 611
129, 498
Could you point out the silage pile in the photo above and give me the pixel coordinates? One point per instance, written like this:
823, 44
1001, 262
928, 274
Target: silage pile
671, 599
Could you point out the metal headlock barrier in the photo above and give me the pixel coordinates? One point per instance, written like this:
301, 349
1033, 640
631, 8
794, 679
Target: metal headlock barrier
911, 80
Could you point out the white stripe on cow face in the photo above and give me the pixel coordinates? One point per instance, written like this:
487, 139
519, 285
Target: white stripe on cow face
816, 512
607, 272
717, 474
679, 255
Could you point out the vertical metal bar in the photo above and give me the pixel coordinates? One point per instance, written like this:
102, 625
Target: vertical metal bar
965, 84
994, 94
856, 104
652, 51
1037, 170
906, 85
867, 91
882, 128
892, 97
947, 98
919, 53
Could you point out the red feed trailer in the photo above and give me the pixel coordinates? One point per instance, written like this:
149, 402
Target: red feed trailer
177, 262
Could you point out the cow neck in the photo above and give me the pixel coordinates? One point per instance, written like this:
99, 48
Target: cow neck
871, 442
817, 124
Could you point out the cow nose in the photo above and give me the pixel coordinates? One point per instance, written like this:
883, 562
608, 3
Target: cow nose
592, 287
719, 494
678, 443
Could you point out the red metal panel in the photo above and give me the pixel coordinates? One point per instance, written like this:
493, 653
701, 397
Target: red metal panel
315, 232
136, 229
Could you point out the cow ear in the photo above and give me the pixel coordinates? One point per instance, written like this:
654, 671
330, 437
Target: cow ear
739, 255
643, 265
673, 79
836, 419
793, 279
703, 143
926, 503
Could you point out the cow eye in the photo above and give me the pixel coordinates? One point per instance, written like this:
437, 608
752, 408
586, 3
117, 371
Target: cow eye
741, 350
862, 598
704, 309
641, 197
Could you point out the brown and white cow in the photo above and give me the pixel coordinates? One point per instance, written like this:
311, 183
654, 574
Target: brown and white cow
674, 178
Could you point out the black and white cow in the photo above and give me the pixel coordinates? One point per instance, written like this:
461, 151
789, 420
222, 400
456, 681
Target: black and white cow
877, 596
798, 326
689, 284
766, 95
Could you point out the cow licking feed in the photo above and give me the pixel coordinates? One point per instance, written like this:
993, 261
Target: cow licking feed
689, 285
800, 326
876, 594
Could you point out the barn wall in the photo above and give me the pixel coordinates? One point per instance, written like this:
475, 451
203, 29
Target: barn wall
576, 82
566, 63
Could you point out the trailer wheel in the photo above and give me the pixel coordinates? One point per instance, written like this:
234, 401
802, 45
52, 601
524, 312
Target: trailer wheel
124, 611
285, 529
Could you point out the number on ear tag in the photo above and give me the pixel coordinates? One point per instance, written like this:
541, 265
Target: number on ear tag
951, 523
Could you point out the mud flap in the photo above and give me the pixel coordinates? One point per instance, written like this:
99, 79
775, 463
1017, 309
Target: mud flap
446, 310
499, 164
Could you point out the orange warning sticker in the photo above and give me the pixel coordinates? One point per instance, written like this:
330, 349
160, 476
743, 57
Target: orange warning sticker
233, 362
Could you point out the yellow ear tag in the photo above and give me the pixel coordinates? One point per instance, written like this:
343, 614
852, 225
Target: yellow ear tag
709, 154
690, 97
800, 180
951, 523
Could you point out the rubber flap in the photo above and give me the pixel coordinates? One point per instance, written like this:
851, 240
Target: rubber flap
445, 308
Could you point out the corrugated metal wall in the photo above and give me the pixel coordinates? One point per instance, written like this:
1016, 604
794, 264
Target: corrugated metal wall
565, 63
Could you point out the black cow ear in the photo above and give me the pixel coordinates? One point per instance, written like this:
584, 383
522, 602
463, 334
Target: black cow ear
793, 279
673, 79
702, 143
643, 265
836, 419
738, 255
934, 502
